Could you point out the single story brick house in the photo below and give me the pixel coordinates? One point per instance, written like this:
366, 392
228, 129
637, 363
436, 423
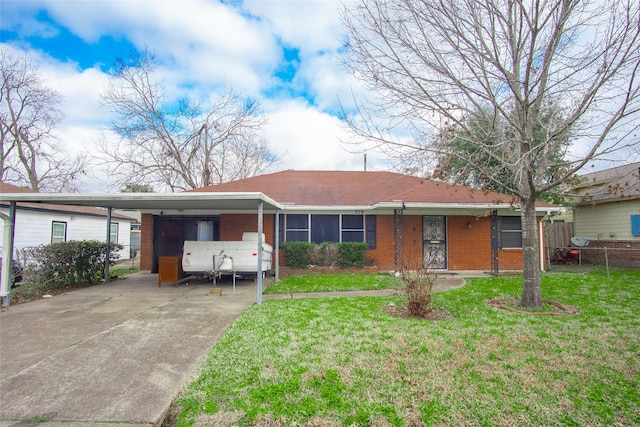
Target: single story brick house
401, 217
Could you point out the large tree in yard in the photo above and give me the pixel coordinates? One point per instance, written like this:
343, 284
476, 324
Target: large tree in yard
179, 144
474, 155
30, 153
443, 67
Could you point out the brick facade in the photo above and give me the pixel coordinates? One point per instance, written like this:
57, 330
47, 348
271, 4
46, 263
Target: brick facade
618, 254
469, 248
146, 242
232, 226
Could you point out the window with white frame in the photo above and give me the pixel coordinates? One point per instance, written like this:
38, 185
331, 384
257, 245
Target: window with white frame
328, 228
58, 232
113, 232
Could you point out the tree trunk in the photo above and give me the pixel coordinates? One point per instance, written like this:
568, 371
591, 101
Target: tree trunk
532, 293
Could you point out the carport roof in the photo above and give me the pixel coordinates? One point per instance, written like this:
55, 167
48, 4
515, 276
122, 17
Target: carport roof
231, 201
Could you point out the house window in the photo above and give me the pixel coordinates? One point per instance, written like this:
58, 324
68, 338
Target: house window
328, 228
352, 228
113, 232
510, 232
297, 228
58, 232
325, 228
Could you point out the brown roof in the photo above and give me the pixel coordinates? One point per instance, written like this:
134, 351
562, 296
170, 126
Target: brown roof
356, 188
80, 210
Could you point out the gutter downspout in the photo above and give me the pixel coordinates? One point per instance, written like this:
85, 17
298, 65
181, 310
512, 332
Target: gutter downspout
7, 261
108, 247
277, 246
260, 220
541, 244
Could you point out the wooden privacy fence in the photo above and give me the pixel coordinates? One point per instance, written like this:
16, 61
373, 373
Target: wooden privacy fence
557, 235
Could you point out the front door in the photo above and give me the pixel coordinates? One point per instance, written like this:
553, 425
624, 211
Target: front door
434, 238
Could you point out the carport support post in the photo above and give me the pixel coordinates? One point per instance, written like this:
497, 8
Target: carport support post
277, 246
7, 258
260, 220
108, 247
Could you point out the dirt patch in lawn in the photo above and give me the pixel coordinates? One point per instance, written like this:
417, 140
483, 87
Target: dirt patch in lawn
433, 314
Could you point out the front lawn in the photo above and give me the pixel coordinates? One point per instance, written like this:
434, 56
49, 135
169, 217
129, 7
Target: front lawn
333, 283
346, 361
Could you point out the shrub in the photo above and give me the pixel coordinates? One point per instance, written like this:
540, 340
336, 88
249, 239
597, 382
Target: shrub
352, 254
67, 263
416, 292
324, 255
297, 253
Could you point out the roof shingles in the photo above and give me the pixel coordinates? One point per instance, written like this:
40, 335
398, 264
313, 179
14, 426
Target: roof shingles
355, 188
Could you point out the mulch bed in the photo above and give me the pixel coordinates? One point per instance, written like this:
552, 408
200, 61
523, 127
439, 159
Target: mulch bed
18, 297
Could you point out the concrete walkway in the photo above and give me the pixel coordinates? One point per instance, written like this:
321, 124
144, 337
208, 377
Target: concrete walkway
117, 353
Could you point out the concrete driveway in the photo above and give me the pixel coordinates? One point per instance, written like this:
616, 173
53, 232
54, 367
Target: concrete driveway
109, 354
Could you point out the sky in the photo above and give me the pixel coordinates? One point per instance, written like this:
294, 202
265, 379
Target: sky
284, 53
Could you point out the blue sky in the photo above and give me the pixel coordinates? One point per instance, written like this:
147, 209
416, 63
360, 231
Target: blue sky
285, 53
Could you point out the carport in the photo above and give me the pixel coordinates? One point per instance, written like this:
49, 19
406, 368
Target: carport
186, 203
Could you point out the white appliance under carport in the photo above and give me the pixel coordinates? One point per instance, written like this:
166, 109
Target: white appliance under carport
217, 258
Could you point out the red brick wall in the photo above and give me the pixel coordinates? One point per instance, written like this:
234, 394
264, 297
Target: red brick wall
469, 248
412, 246
620, 253
232, 226
383, 253
146, 241
510, 259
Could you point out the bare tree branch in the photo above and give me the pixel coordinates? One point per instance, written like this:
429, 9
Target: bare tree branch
431, 65
182, 145
30, 154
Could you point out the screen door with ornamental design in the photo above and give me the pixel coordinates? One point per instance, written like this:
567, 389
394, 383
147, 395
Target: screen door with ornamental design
434, 238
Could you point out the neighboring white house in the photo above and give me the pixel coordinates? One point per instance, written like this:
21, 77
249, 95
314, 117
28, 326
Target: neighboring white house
40, 223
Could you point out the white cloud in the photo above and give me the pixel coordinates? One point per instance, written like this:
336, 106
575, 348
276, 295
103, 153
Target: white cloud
204, 42
206, 48
312, 26
308, 139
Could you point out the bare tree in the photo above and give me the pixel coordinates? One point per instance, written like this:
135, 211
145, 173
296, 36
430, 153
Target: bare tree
432, 64
183, 145
30, 154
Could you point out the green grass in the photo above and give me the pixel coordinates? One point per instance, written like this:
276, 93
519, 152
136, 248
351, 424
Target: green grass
333, 283
345, 361
122, 270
